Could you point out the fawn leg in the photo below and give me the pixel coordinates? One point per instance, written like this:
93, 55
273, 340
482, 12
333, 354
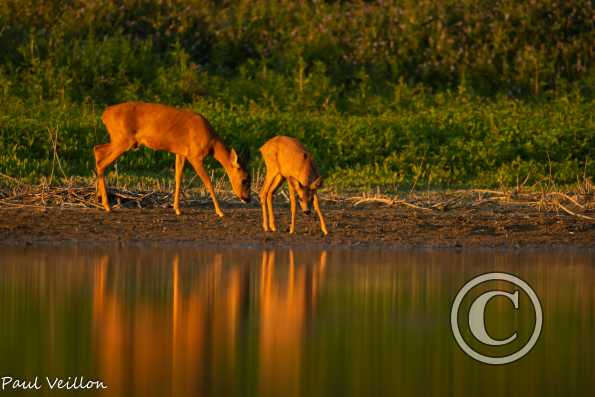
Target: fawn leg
317, 208
274, 185
264, 191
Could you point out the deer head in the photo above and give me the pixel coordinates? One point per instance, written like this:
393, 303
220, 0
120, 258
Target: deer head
304, 192
239, 178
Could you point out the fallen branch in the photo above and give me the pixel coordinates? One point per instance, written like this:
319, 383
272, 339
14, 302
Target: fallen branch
574, 213
387, 201
406, 204
567, 197
362, 200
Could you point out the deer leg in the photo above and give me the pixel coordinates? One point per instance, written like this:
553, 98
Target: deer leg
100, 151
105, 155
268, 179
97, 195
180, 162
274, 185
202, 173
292, 206
317, 208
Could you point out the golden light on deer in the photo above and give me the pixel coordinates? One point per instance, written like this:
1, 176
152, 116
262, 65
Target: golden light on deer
287, 158
183, 132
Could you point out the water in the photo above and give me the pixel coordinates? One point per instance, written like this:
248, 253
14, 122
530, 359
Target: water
167, 321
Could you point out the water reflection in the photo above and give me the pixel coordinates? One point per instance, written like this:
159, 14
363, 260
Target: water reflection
287, 296
173, 321
182, 324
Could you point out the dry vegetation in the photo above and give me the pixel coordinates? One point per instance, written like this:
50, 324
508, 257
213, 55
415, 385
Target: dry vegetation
578, 202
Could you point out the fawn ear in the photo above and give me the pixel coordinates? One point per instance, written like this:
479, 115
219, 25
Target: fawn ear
316, 184
234, 159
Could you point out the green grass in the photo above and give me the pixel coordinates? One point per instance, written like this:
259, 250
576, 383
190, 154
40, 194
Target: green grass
442, 141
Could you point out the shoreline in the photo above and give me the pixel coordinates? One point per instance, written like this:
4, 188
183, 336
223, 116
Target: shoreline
367, 226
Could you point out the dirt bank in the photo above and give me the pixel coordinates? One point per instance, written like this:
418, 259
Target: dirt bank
363, 225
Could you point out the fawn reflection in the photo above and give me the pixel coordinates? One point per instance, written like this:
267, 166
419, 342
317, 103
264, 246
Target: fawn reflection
286, 295
177, 326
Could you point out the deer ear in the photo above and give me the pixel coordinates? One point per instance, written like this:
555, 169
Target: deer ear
234, 159
316, 184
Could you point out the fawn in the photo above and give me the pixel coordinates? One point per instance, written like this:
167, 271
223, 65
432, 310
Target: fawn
287, 158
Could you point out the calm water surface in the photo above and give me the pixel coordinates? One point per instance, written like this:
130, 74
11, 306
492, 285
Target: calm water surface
164, 321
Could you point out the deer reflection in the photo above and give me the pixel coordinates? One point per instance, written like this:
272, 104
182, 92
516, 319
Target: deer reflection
182, 335
286, 295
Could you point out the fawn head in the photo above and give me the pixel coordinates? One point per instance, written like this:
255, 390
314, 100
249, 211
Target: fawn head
239, 178
304, 193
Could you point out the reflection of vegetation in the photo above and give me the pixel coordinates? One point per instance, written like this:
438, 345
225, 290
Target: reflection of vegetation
383, 94
270, 323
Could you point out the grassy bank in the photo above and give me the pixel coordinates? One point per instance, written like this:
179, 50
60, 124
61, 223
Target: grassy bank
441, 141
386, 94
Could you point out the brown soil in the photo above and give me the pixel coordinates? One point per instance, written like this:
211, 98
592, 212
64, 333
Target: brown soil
504, 226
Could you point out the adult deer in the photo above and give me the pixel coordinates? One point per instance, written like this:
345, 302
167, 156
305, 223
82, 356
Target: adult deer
287, 158
186, 134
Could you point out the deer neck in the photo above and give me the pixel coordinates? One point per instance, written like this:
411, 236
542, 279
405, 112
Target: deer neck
221, 154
